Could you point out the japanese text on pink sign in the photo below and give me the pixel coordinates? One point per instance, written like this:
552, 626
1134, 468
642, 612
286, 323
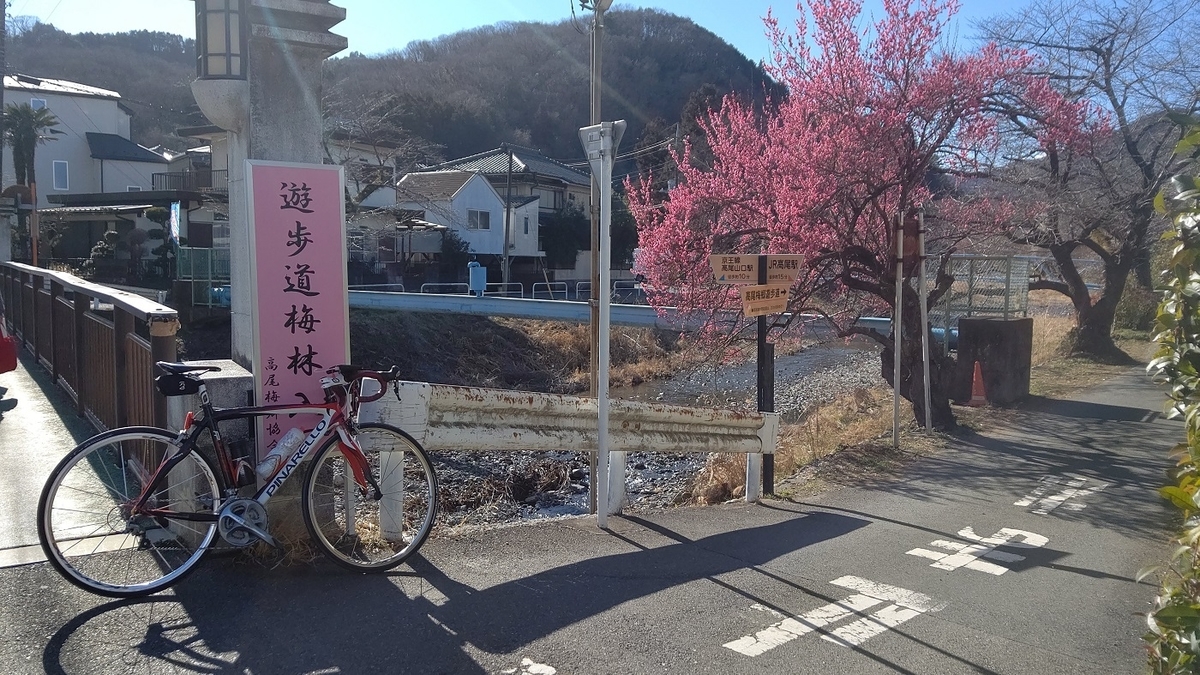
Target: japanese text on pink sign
301, 321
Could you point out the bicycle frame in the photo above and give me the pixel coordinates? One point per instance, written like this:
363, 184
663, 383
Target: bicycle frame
333, 419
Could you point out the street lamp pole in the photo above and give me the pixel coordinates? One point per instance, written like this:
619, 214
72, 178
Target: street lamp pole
599, 7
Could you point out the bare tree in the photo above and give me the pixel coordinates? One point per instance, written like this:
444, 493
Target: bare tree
1095, 200
368, 138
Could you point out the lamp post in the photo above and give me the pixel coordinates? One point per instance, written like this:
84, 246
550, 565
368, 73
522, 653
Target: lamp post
221, 40
599, 7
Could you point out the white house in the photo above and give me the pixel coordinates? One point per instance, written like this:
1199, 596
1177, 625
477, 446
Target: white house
90, 150
468, 205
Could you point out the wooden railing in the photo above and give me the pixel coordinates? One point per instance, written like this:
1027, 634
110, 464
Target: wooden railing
99, 343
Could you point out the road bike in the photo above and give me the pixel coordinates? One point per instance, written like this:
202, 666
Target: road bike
131, 511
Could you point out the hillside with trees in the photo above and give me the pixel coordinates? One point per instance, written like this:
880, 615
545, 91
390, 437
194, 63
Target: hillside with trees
452, 96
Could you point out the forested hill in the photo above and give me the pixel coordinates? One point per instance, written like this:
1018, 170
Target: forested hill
526, 83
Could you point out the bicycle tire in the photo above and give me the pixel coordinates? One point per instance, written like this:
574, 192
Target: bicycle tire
87, 533
384, 532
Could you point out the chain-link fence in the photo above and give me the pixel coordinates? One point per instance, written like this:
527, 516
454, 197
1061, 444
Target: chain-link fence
983, 286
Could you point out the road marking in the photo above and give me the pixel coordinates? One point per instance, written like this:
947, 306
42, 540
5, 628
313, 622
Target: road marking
903, 605
1072, 487
531, 667
968, 555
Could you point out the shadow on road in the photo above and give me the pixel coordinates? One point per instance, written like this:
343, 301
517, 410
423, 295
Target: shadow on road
242, 618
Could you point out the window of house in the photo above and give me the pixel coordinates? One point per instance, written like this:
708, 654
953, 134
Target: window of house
62, 179
526, 224
134, 188
479, 220
37, 103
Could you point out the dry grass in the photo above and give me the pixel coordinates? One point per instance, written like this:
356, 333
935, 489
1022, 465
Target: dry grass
849, 421
848, 441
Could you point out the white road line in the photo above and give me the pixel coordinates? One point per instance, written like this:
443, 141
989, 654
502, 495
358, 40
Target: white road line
893, 594
1072, 489
854, 634
902, 605
789, 629
968, 555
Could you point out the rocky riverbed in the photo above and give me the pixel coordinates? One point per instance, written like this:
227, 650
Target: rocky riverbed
490, 488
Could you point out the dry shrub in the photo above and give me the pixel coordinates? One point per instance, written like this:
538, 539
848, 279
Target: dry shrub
1049, 338
849, 420
517, 485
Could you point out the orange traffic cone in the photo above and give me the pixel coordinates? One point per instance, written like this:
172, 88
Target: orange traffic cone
978, 396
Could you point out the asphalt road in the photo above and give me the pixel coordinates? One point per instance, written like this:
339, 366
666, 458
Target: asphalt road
1011, 552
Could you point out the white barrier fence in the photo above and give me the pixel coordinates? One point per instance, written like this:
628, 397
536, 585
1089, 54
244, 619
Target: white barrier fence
474, 419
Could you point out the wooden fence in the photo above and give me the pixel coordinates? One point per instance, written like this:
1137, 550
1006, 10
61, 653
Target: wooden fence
100, 344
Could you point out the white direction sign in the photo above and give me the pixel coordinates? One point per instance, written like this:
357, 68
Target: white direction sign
1069, 486
899, 605
957, 555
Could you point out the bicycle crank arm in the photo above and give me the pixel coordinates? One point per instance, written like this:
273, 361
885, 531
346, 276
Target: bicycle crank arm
254, 529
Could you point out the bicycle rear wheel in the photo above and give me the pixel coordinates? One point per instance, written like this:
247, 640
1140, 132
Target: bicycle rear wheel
354, 529
85, 523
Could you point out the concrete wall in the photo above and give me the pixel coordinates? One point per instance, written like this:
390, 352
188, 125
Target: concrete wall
1004, 350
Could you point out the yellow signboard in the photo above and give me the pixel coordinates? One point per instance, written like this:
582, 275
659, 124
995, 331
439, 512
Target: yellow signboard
743, 269
783, 269
734, 269
761, 300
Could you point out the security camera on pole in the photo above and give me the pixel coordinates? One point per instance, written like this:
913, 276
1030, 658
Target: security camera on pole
600, 142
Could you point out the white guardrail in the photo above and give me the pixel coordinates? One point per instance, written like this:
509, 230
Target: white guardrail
474, 419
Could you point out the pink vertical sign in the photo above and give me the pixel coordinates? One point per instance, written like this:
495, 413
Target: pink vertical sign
300, 306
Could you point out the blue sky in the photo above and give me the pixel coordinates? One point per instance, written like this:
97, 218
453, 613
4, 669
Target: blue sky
377, 26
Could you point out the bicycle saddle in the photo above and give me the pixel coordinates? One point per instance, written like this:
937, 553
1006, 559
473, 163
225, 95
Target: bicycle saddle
185, 368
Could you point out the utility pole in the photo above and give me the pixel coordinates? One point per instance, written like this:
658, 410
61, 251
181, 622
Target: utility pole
599, 7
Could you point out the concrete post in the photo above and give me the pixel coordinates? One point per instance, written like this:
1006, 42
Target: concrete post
275, 115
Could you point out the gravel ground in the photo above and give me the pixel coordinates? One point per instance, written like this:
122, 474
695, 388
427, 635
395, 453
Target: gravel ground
493, 488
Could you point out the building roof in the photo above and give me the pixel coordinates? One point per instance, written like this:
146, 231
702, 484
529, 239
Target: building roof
94, 210
518, 201
526, 161
17, 81
431, 185
112, 146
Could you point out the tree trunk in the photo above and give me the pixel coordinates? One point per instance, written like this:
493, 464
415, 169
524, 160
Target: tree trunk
1092, 336
912, 377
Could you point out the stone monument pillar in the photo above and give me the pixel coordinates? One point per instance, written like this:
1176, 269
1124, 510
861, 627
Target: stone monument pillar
273, 113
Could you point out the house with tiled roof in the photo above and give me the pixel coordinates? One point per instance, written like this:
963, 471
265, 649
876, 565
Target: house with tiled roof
528, 173
465, 203
92, 177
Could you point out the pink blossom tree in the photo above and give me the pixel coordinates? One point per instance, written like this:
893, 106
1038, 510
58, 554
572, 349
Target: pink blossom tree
871, 114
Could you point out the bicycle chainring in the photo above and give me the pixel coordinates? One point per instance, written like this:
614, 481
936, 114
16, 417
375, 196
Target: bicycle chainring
249, 511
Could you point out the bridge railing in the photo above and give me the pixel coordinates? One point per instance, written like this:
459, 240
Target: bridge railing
100, 344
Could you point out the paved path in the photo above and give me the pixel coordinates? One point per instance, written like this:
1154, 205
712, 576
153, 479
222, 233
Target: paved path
38, 425
1011, 552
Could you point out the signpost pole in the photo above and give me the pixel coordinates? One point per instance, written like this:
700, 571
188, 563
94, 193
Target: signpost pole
897, 330
766, 380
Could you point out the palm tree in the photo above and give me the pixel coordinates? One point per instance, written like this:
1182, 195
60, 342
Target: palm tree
24, 129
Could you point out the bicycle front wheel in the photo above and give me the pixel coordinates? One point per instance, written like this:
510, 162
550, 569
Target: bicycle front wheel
351, 526
86, 523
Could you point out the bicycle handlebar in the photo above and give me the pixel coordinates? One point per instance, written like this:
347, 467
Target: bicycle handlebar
351, 373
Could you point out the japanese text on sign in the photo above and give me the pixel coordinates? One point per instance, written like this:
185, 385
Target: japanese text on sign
300, 306
782, 269
760, 300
